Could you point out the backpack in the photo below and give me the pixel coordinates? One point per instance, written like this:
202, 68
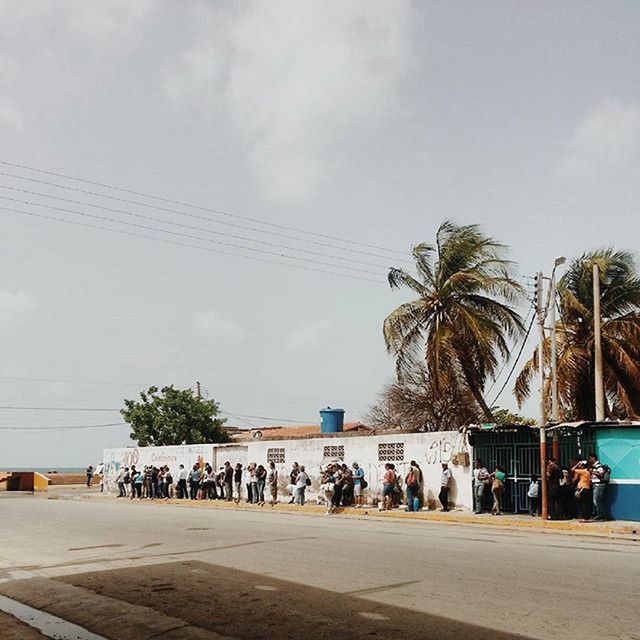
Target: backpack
411, 479
308, 482
127, 478
605, 478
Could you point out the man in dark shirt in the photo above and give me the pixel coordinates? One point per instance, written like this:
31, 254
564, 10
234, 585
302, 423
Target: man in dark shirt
228, 481
554, 475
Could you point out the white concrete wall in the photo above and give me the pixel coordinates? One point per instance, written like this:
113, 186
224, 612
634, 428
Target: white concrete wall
428, 449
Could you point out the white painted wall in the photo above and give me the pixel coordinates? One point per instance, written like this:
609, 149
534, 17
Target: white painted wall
428, 449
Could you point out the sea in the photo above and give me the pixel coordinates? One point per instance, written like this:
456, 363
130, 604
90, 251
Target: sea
46, 470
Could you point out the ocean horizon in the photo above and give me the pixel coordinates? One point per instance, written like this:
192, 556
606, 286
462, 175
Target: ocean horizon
46, 470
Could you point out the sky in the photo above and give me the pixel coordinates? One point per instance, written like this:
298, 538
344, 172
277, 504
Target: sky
304, 147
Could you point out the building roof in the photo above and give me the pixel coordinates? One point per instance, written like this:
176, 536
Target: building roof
292, 432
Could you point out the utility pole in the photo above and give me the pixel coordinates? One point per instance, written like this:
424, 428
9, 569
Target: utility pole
597, 343
540, 309
555, 405
198, 394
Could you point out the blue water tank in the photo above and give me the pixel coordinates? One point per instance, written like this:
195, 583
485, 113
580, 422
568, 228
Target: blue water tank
331, 420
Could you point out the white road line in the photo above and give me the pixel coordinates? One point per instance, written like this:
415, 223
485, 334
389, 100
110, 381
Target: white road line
45, 623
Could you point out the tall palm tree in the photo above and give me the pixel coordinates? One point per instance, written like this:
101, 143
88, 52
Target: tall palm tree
462, 321
620, 312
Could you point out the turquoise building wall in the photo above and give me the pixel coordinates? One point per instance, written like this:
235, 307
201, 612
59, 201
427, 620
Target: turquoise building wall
619, 447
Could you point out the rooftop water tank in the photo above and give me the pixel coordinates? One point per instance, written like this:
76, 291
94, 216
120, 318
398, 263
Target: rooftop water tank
331, 420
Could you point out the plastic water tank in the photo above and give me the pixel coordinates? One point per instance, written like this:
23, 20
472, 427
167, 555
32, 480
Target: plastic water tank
331, 420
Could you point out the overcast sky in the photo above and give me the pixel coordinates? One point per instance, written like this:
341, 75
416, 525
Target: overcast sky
369, 122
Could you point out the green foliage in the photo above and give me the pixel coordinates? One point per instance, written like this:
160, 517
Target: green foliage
620, 314
462, 321
173, 416
506, 417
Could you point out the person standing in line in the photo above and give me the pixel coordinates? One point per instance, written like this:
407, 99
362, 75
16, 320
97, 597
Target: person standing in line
481, 483
359, 484
388, 486
228, 481
133, 472
327, 486
533, 494
89, 475
272, 482
412, 487
253, 479
209, 483
247, 482
160, 483
293, 480
553, 476
445, 485
182, 483
498, 478
168, 483
195, 475
137, 481
302, 482
582, 481
120, 480
600, 476
337, 486
237, 479
148, 482
261, 477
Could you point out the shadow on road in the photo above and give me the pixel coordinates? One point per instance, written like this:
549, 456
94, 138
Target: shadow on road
251, 606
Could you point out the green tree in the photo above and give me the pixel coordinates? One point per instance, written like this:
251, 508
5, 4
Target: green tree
462, 320
620, 313
173, 416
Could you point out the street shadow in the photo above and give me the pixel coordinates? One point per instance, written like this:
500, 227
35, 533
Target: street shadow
250, 606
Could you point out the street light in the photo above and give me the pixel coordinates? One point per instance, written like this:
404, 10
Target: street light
543, 310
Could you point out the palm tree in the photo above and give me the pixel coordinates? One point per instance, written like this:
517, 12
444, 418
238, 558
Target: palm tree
620, 312
462, 320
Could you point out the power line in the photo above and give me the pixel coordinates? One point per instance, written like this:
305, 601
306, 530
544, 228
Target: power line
176, 224
66, 381
506, 362
515, 362
66, 427
12, 408
187, 235
198, 207
185, 244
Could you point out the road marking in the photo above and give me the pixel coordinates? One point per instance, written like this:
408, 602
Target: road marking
371, 615
45, 623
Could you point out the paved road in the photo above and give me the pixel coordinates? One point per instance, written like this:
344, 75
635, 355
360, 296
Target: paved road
266, 575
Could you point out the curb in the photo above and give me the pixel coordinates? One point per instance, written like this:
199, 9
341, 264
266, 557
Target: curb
629, 532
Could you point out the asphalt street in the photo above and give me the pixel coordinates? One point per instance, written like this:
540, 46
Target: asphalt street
262, 574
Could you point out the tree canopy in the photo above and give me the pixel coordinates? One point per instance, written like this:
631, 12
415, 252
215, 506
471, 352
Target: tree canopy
173, 416
463, 320
620, 329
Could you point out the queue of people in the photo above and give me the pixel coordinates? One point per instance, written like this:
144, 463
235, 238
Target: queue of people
340, 485
577, 490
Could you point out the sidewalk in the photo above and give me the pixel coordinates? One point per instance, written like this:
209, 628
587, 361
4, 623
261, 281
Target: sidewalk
615, 528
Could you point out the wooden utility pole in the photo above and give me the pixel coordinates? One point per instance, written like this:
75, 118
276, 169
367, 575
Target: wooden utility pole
597, 343
540, 308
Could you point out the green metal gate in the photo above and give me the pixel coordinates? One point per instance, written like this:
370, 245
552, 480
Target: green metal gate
517, 450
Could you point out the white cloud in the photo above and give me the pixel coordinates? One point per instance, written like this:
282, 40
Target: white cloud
50, 51
296, 79
307, 336
607, 137
213, 327
14, 305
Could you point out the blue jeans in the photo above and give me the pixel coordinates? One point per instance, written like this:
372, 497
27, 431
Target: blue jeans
299, 495
599, 506
412, 492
